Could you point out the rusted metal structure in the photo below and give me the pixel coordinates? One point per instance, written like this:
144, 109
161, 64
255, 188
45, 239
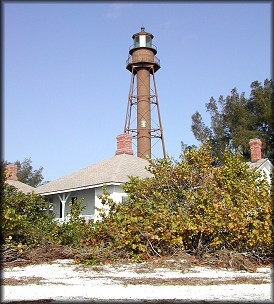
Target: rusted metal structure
143, 120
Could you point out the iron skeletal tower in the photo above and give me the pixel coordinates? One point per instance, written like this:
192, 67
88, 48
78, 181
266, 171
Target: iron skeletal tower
143, 119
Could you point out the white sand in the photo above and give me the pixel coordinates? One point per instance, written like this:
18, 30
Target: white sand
63, 280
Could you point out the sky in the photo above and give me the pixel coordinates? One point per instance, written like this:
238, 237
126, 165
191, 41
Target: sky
66, 85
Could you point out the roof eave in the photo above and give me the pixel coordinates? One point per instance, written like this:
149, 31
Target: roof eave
263, 163
80, 188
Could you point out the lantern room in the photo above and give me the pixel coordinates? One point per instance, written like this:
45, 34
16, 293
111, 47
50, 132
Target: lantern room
142, 39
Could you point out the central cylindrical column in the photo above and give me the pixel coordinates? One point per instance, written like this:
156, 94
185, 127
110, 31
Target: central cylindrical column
143, 113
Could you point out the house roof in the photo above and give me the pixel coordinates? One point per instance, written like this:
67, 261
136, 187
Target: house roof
259, 164
20, 186
112, 170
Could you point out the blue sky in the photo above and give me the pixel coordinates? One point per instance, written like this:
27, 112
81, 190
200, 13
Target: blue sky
66, 85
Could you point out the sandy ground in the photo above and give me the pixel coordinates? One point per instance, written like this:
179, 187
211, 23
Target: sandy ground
62, 280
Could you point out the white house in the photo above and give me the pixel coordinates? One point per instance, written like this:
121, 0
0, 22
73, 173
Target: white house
113, 172
258, 163
87, 183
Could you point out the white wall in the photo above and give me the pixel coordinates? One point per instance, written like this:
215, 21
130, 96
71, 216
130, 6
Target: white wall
90, 199
266, 171
88, 196
116, 193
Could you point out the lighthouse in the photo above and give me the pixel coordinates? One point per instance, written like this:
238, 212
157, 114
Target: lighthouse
143, 119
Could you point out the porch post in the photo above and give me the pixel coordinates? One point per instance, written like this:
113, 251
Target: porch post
63, 200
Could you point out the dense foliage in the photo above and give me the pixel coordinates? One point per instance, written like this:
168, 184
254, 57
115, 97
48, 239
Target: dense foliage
189, 206
29, 230
24, 217
236, 119
71, 231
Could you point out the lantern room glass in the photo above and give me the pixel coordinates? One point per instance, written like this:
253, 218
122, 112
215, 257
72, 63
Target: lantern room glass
148, 41
136, 41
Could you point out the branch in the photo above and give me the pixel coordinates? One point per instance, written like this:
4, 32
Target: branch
149, 243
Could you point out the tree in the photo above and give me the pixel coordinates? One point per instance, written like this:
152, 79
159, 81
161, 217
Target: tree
185, 146
236, 119
26, 174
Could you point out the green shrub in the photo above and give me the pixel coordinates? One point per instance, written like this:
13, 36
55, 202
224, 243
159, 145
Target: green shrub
72, 231
188, 205
24, 217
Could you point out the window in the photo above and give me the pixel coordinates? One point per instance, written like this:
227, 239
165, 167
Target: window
143, 123
49, 207
73, 199
137, 41
124, 198
148, 41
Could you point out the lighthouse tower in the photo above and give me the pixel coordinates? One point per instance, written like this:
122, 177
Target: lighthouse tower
143, 119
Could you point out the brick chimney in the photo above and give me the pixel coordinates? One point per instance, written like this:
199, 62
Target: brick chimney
11, 171
124, 144
255, 149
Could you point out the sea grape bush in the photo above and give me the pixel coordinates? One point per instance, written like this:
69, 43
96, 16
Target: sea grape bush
189, 205
24, 217
25, 220
70, 232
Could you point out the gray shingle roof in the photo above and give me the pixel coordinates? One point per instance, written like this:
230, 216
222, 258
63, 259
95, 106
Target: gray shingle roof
115, 169
20, 186
257, 164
